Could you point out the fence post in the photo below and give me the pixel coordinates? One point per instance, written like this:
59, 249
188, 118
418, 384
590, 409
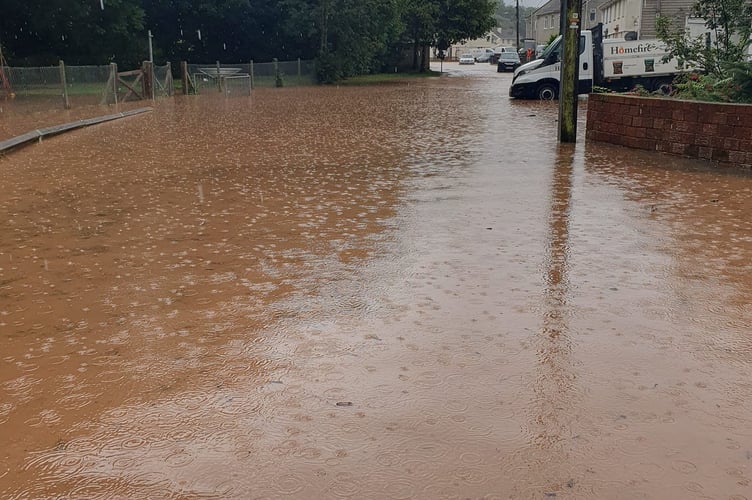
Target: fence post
277, 76
299, 72
151, 79
219, 78
148, 79
184, 76
169, 86
114, 77
252, 82
64, 82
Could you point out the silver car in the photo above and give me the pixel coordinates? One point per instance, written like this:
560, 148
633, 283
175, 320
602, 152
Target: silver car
467, 59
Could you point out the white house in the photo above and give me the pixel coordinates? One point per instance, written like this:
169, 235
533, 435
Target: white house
494, 38
620, 18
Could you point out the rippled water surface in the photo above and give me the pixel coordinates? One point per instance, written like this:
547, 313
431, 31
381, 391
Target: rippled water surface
402, 291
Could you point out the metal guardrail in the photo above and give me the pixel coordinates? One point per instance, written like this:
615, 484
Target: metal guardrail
37, 135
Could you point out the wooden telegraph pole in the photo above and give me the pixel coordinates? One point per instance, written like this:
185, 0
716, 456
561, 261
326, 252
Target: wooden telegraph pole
517, 16
571, 15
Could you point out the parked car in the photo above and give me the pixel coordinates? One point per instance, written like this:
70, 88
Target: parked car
467, 59
498, 51
508, 61
484, 56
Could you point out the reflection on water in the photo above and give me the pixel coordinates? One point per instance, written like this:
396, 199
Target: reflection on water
407, 291
556, 374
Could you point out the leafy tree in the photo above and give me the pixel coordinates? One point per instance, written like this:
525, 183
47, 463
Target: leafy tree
729, 23
40, 33
506, 16
347, 37
441, 23
363, 32
355, 36
420, 18
460, 20
208, 30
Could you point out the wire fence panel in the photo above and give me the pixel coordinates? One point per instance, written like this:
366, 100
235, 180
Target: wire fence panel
86, 84
38, 88
209, 78
236, 85
284, 73
270, 74
164, 85
40, 84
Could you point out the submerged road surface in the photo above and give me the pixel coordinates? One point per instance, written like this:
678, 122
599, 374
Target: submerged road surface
404, 291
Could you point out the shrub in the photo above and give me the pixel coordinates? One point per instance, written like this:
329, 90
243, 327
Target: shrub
328, 68
705, 88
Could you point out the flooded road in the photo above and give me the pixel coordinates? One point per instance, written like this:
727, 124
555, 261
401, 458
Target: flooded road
403, 291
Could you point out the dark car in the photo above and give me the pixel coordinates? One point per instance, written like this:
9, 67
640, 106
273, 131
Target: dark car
508, 61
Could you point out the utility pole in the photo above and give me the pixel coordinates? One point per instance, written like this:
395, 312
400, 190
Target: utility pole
151, 52
571, 15
518, 26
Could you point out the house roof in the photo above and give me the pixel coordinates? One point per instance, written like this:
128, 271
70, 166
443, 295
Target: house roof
550, 7
554, 7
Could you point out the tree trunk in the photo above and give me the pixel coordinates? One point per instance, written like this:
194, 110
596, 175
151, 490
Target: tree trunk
415, 53
425, 59
325, 8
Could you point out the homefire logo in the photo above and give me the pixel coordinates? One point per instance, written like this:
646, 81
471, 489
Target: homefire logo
633, 50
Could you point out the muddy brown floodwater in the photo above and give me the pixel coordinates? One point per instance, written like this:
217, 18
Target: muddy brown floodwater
402, 291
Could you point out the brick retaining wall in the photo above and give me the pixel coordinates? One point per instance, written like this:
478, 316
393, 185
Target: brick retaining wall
711, 131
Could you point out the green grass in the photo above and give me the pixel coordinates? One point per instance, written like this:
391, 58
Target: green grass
53, 90
80, 89
287, 81
265, 81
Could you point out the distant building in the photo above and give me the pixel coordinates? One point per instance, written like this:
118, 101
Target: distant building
620, 18
677, 10
494, 38
544, 22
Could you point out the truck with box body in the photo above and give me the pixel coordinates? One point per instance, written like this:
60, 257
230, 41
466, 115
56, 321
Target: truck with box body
611, 63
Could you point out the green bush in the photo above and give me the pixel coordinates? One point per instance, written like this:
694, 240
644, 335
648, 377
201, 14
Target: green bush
328, 68
709, 88
741, 74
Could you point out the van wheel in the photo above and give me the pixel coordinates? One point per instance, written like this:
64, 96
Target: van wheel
664, 86
547, 92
